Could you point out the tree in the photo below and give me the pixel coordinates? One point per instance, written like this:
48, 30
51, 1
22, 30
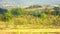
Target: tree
57, 10
2, 11
36, 14
18, 12
34, 6
15, 12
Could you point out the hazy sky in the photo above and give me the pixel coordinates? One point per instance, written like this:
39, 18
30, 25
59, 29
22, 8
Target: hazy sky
29, 2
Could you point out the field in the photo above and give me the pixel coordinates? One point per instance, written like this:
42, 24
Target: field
30, 31
33, 17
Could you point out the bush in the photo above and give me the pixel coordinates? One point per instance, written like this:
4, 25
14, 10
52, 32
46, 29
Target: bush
43, 15
2, 11
15, 12
7, 16
18, 12
57, 10
36, 14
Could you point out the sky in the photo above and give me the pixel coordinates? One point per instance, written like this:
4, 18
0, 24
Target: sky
28, 2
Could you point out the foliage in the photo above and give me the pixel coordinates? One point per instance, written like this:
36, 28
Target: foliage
7, 16
57, 10
34, 6
20, 16
18, 11
2, 11
36, 14
43, 15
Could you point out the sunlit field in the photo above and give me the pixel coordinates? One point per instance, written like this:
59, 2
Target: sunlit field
29, 32
32, 17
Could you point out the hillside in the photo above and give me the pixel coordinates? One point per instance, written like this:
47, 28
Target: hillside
37, 17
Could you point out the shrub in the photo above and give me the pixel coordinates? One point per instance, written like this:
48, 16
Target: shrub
43, 15
2, 11
36, 14
18, 12
57, 10
15, 12
7, 16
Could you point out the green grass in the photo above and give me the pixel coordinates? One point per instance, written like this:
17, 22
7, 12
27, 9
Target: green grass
21, 18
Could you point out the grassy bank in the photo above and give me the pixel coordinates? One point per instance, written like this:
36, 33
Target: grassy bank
22, 18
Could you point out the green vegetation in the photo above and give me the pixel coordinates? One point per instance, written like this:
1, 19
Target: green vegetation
17, 17
35, 6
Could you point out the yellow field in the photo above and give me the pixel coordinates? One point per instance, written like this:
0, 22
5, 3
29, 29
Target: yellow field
27, 20
29, 31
